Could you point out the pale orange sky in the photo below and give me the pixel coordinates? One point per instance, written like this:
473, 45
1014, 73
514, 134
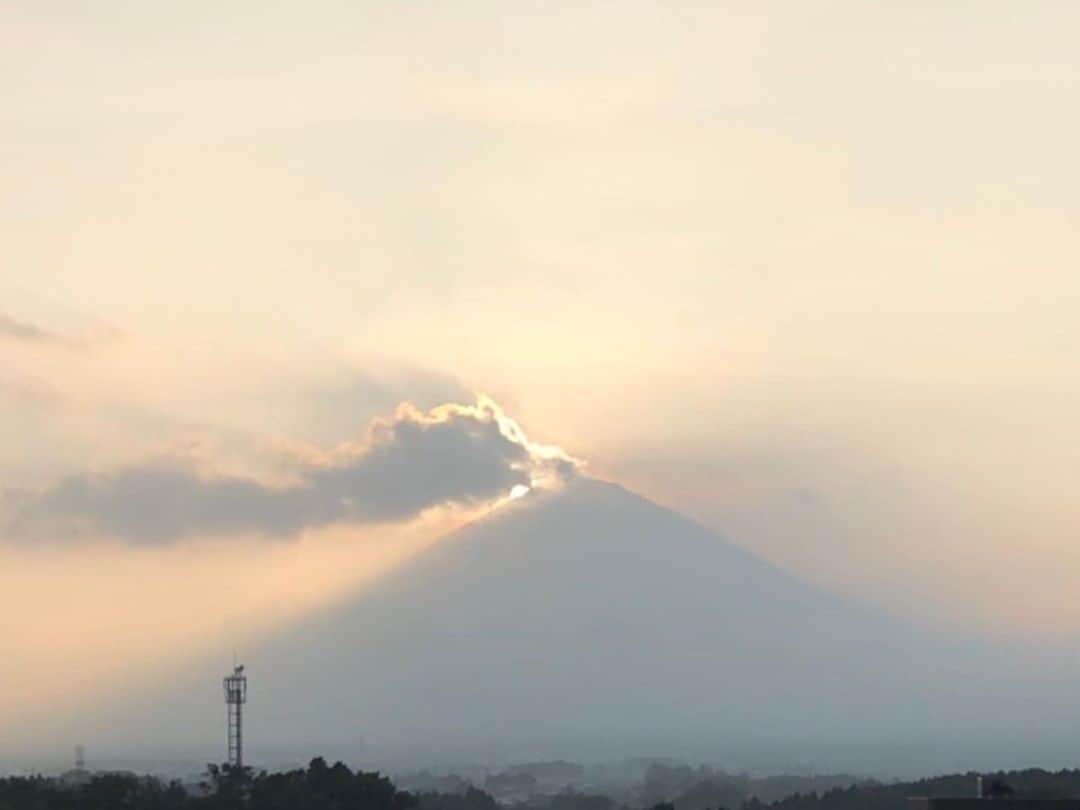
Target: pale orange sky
806, 271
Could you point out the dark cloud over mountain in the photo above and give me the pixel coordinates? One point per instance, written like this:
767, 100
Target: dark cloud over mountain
453, 454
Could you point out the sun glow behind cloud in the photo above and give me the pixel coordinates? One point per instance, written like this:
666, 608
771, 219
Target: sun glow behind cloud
453, 455
131, 614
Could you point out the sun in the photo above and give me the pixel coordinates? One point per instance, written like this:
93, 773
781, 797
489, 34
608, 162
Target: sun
519, 490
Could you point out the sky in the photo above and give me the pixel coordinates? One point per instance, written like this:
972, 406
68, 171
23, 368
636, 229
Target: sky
804, 271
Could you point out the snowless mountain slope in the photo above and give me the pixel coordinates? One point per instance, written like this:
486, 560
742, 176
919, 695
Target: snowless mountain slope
592, 620
595, 611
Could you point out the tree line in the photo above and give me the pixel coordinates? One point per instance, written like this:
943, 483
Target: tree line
317, 787
320, 786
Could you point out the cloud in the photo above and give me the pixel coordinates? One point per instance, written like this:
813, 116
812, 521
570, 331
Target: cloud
451, 455
28, 332
331, 411
32, 334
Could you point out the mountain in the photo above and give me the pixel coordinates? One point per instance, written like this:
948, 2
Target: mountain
592, 612
590, 621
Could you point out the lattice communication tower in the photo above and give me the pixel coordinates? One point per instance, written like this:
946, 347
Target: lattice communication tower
235, 698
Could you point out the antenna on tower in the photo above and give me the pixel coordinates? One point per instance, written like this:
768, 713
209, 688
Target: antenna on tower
235, 698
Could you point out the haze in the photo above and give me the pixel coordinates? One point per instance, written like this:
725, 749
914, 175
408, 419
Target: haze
803, 271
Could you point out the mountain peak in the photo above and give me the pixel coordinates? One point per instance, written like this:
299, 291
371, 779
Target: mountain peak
566, 612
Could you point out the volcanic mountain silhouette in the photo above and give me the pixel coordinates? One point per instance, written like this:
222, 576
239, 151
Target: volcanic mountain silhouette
593, 611
591, 619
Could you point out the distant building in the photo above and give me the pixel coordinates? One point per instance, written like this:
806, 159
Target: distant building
75, 777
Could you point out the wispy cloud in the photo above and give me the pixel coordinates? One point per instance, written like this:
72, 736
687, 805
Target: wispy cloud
21, 331
451, 455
